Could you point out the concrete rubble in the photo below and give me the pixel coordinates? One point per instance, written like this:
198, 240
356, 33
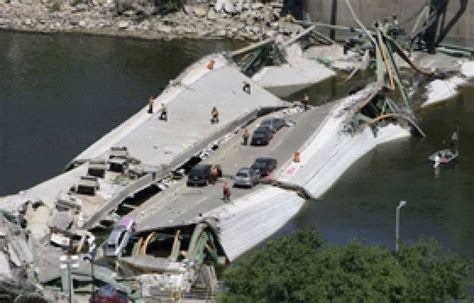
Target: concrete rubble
244, 20
16, 262
333, 55
441, 89
297, 74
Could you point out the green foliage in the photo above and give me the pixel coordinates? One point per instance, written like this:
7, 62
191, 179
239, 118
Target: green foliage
76, 2
56, 7
298, 269
433, 274
171, 5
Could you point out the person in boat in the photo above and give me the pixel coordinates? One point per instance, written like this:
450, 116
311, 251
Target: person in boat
437, 160
454, 142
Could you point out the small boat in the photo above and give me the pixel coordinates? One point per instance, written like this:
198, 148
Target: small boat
447, 155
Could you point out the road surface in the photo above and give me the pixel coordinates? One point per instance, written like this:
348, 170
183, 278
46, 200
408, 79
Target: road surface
180, 203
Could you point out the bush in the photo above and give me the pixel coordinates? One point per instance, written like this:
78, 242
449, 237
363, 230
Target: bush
171, 5
298, 269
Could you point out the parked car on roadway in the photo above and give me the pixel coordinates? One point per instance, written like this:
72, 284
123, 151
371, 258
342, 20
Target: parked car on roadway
200, 174
118, 238
109, 294
273, 123
247, 177
261, 136
264, 165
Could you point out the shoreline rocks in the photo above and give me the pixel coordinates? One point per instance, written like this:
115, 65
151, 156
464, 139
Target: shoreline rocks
140, 19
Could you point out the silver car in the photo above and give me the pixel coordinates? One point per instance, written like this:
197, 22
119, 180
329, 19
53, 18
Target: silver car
118, 238
246, 177
273, 123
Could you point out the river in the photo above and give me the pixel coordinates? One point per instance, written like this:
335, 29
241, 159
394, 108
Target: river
361, 205
60, 93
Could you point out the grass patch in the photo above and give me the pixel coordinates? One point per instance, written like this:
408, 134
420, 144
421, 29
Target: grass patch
56, 7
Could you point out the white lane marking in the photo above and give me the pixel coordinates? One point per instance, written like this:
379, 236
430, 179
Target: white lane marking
276, 145
200, 200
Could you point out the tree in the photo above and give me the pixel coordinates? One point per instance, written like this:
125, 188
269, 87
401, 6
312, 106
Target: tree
298, 268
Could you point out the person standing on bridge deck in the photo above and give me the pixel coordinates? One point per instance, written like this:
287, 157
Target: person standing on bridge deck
305, 102
164, 112
214, 174
151, 100
214, 115
245, 136
226, 192
246, 88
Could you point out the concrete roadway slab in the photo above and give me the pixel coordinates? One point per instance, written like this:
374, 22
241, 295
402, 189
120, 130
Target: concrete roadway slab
181, 203
189, 100
294, 76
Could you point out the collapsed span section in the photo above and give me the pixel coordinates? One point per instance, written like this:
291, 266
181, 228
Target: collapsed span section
350, 131
253, 218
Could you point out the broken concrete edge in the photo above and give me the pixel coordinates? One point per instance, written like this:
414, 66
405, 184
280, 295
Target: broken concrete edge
16, 260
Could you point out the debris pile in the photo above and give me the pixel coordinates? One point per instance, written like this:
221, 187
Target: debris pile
16, 263
244, 20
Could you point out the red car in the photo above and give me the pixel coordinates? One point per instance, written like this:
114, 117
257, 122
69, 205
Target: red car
109, 294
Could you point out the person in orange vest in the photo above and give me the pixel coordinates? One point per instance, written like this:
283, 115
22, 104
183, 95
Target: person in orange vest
211, 63
214, 174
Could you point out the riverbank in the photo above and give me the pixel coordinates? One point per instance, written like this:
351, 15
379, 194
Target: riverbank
253, 22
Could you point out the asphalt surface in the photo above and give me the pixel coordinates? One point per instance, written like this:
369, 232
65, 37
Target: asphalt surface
180, 203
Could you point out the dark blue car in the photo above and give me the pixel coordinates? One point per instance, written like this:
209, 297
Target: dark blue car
261, 136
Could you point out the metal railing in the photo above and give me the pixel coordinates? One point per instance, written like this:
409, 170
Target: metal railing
194, 295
